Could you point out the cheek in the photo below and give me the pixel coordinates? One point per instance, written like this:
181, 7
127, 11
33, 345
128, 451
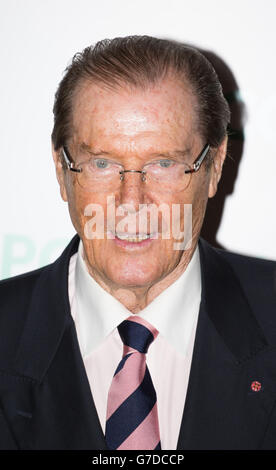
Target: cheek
191, 205
200, 199
77, 204
88, 213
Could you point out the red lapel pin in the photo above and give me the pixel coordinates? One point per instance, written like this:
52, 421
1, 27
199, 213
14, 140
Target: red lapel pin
256, 386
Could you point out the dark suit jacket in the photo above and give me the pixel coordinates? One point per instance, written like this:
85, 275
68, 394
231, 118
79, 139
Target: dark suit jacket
45, 398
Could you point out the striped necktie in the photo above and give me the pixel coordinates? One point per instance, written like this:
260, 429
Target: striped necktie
132, 419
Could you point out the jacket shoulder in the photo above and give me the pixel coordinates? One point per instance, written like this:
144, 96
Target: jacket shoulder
15, 298
17, 289
242, 258
251, 269
29, 300
257, 278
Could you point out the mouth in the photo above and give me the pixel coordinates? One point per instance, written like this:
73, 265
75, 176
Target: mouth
124, 239
133, 237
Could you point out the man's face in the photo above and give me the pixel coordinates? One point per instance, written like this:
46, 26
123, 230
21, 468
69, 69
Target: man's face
134, 127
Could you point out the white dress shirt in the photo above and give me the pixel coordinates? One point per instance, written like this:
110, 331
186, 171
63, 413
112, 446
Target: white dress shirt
173, 313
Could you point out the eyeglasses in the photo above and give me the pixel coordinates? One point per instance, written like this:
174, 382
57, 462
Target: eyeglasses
166, 175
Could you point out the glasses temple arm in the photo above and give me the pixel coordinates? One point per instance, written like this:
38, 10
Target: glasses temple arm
197, 163
70, 165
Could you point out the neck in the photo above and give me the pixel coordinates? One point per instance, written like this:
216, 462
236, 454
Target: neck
136, 298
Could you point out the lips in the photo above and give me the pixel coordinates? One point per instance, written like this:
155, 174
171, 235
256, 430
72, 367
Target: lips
134, 238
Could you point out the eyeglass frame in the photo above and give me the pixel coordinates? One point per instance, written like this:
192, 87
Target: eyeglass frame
196, 164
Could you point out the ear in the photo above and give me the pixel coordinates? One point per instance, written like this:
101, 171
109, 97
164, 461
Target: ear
59, 173
216, 168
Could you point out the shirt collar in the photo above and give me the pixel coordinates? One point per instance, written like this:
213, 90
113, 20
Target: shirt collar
172, 312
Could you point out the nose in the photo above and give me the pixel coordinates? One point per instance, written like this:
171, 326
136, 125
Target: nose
132, 190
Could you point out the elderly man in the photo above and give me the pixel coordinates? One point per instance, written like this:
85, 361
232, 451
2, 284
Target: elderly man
135, 338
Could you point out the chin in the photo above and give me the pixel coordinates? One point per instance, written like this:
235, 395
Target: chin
132, 279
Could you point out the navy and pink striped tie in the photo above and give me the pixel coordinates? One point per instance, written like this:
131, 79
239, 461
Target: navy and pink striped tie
132, 419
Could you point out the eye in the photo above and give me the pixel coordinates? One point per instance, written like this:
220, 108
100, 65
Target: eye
101, 163
166, 163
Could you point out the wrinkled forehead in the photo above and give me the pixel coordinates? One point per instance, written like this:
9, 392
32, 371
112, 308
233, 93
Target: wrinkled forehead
165, 111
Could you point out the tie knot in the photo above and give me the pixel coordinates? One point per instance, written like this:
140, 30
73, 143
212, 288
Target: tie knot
137, 333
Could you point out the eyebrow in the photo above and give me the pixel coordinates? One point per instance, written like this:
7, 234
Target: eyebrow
173, 153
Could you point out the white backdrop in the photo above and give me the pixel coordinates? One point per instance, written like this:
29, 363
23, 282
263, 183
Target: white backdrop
38, 39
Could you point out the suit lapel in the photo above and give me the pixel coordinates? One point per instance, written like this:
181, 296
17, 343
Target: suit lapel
51, 405
230, 352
